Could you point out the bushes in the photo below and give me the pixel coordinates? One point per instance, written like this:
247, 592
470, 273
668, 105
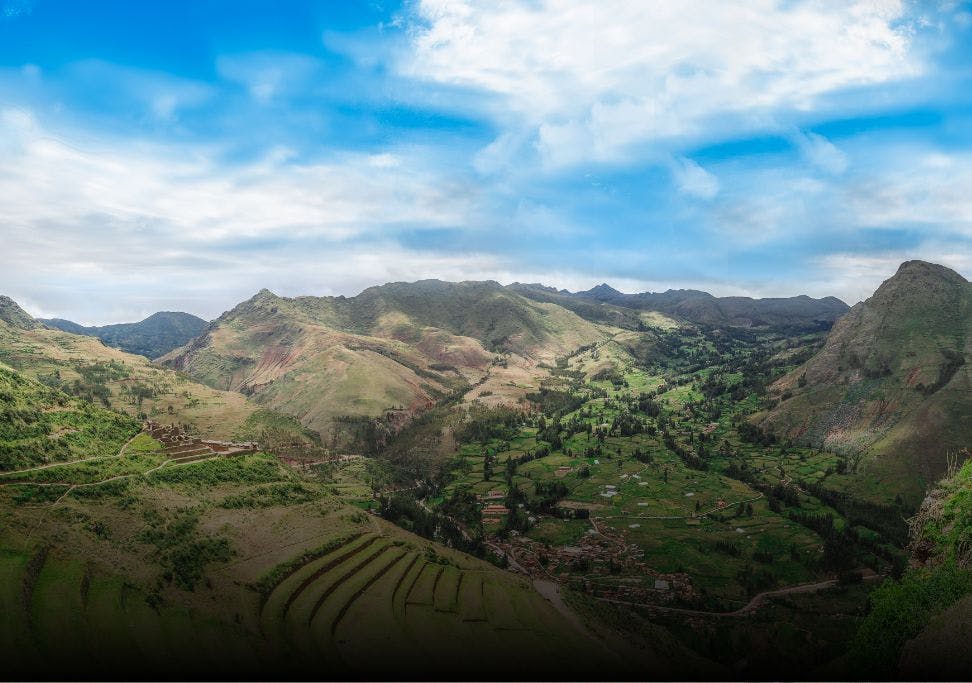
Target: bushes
249, 469
899, 610
482, 424
271, 495
39, 425
181, 550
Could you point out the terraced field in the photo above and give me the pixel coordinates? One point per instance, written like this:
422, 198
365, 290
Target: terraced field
60, 619
378, 594
370, 605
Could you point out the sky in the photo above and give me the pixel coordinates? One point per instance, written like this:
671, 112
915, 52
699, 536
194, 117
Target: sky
183, 155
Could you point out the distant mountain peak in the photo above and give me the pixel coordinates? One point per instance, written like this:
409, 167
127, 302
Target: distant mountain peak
602, 291
12, 314
265, 294
152, 337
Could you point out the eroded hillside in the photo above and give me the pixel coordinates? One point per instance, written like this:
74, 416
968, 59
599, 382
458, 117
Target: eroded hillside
399, 347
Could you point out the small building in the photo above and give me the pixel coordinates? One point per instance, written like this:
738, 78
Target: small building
495, 511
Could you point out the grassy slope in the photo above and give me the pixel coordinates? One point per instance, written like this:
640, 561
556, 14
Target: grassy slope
105, 576
396, 346
893, 383
47, 353
39, 424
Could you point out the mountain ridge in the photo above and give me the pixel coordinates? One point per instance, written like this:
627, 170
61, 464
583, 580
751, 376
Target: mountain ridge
152, 337
400, 346
700, 307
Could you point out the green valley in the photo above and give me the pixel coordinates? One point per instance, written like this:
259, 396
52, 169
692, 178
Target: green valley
494, 482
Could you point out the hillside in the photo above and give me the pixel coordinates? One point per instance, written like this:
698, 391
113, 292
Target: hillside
85, 368
891, 388
244, 568
918, 627
399, 347
153, 337
40, 425
12, 314
791, 313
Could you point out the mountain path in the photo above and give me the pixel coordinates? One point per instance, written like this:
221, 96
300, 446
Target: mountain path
120, 453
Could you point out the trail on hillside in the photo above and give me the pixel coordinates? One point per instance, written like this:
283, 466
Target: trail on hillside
120, 453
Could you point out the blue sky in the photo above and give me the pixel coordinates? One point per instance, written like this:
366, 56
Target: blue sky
182, 155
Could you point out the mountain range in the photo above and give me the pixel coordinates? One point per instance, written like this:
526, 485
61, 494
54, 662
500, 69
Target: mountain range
407, 345
889, 388
153, 337
763, 446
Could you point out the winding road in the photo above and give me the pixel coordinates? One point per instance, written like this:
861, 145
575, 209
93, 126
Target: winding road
749, 607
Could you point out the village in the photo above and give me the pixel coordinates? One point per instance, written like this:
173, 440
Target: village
600, 563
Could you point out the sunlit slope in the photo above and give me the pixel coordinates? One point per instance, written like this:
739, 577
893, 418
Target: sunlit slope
919, 625
395, 347
87, 368
892, 382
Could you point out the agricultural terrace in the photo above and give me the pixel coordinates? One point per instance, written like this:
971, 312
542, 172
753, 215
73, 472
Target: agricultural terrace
639, 478
233, 565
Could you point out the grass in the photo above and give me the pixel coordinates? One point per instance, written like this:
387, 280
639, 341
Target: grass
100, 372
259, 468
39, 425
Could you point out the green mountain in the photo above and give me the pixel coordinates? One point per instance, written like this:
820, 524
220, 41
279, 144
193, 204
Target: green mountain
892, 386
791, 313
12, 314
153, 337
399, 347
84, 367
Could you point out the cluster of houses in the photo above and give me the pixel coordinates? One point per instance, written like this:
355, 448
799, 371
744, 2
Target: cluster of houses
601, 564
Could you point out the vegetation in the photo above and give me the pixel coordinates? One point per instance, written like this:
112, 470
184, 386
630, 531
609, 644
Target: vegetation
418, 438
41, 425
899, 610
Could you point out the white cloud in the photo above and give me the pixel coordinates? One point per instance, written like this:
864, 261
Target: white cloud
693, 180
820, 152
592, 79
916, 188
268, 75
188, 194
